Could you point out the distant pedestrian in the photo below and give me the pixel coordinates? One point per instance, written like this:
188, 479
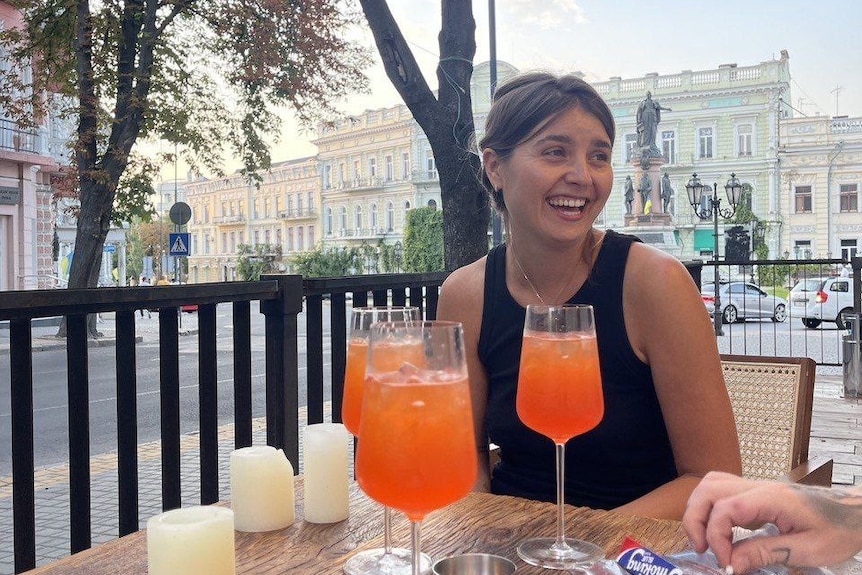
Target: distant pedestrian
145, 281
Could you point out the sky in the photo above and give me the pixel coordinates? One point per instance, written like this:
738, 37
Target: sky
605, 38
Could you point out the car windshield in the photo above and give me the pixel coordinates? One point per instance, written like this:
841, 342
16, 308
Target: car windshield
708, 288
811, 284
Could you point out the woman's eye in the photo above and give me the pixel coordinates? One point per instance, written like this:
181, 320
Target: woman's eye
555, 152
601, 156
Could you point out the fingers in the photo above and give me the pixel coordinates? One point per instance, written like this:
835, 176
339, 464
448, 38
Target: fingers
712, 488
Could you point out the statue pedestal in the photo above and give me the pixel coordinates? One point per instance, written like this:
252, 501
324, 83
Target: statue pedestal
655, 228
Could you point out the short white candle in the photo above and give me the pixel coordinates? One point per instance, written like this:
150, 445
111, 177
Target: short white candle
194, 540
261, 489
325, 461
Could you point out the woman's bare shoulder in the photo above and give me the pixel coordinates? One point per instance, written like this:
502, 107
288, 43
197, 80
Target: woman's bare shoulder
464, 286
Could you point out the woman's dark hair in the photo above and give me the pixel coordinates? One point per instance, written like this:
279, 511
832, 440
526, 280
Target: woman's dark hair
524, 104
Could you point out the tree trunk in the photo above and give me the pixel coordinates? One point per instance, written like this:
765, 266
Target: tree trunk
447, 120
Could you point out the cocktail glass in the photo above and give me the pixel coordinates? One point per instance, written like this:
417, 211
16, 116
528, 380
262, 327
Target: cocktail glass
560, 396
417, 447
386, 560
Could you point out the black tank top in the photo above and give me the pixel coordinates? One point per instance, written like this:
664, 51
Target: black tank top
628, 454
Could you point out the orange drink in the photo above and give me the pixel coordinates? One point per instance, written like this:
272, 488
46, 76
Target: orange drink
559, 384
416, 451
387, 358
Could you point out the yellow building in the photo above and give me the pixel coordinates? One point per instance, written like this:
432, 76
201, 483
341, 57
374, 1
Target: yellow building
282, 210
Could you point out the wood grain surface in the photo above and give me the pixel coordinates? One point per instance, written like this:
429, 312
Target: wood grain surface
480, 522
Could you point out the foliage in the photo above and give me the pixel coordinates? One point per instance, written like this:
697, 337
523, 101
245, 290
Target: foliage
203, 74
423, 240
253, 261
147, 238
320, 262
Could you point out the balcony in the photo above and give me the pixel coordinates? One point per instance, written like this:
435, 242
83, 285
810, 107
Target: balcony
230, 220
358, 184
298, 214
14, 139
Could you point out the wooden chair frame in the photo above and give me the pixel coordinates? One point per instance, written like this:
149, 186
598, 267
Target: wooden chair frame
772, 399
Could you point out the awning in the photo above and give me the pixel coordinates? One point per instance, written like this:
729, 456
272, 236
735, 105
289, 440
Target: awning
704, 241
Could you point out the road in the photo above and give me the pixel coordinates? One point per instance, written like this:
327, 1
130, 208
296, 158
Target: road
50, 399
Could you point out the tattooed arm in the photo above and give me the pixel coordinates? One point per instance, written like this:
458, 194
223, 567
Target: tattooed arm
818, 526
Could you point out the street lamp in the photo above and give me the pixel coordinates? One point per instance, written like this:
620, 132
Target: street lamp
709, 206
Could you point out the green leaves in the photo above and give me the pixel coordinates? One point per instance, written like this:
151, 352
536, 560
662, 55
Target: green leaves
423, 240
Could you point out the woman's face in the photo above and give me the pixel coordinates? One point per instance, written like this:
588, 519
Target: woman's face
556, 183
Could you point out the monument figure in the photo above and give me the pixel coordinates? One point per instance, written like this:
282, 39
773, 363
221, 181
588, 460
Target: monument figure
666, 193
645, 189
629, 195
648, 118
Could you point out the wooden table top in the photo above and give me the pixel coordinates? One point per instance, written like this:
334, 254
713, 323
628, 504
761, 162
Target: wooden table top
478, 523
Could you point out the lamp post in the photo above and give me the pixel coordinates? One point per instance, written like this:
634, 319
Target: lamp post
709, 206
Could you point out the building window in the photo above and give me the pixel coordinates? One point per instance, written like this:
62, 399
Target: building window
254, 208
256, 237
206, 214
327, 177
224, 209
266, 207
310, 202
390, 217
310, 236
357, 218
327, 223
373, 217
266, 238
343, 221
430, 167
405, 166
802, 249
224, 242
849, 197
290, 239
289, 205
299, 204
372, 168
278, 236
744, 134
389, 168
631, 144
356, 174
300, 240
848, 249
802, 197
668, 146
233, 242
705, 143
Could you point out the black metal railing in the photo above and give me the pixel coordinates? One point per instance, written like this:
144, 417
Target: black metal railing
281, 301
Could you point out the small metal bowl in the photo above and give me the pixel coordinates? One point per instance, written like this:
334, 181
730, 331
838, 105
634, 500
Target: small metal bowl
473, 564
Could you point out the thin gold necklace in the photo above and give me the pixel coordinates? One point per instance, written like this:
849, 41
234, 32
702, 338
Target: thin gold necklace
527, 278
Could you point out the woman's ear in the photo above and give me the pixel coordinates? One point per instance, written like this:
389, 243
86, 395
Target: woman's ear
491, 162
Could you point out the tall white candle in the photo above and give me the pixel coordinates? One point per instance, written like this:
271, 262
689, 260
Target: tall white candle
325, 461
261, 489
191, 541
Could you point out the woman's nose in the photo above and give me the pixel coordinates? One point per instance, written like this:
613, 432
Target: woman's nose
577, 171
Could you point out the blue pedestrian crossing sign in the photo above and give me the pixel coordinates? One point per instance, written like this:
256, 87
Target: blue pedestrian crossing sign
180, 244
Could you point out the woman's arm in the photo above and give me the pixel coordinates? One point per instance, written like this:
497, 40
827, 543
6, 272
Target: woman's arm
461, 299
670, 330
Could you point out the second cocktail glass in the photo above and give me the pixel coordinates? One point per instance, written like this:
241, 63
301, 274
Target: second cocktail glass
386, 560
417, 445
560, 396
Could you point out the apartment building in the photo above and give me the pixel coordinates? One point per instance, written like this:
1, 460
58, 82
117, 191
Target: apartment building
26, 211
282, 209
821, 175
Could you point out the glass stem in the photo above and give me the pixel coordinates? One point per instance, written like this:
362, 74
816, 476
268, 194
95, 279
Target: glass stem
387, 530
561, 497
414, 545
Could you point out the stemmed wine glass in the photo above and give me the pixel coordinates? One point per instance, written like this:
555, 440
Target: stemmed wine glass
386, 560
417, 447
560, 396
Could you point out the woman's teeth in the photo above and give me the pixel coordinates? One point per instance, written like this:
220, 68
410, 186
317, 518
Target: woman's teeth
567, 203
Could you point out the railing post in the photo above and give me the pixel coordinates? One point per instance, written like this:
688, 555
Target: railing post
282, 365
856, 264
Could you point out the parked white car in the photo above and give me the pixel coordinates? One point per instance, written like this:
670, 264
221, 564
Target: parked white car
829, 303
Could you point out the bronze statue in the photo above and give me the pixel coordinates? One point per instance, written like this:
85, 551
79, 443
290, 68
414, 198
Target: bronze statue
666, 193
645, 188
648, 118
629, 194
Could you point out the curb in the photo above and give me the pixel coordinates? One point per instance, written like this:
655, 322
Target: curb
51, 343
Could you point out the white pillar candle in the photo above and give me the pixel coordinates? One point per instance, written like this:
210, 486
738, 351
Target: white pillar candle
191, 540
261, 489
325, 474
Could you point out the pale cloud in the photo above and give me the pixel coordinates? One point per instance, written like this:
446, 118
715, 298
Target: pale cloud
548, 15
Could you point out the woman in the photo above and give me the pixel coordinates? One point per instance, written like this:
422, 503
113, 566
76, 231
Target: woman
547, 155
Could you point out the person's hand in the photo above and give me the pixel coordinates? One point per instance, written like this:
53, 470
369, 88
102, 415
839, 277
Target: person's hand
817, 526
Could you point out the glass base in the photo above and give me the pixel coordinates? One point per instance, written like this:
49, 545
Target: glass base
377, 561
546, 552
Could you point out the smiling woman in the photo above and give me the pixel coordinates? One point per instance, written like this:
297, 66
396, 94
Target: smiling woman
547, 166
